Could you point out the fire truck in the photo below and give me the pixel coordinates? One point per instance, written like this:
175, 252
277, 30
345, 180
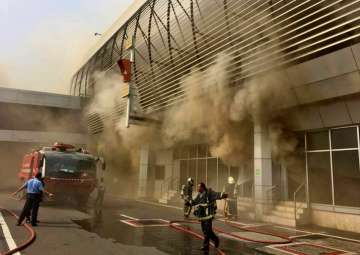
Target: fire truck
68, 173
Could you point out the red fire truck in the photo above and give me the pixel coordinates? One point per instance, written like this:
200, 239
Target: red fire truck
68, 173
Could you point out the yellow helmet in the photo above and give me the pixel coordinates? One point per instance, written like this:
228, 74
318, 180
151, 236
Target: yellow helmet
231, 180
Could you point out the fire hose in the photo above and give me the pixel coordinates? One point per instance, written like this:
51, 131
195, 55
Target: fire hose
26, 243
176, 225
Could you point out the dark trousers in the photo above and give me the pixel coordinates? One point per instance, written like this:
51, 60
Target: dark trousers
187, 209
31, 205
233, 207
206, 227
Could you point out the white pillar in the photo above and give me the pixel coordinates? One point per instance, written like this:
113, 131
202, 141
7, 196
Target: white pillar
262, 170
143, 171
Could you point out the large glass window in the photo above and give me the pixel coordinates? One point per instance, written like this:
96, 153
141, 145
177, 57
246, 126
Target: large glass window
336, 179
192, 169
346, 178
318, 140
223, 175
196, 162
193, 151
202, 150
234, 172
183, 171
320, 177
212, 173
159, 172
344, 138
184, 152
201, 170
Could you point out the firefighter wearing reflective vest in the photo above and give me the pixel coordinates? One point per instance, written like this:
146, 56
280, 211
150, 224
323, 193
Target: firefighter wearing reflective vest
205, 210
230, 206
186, 194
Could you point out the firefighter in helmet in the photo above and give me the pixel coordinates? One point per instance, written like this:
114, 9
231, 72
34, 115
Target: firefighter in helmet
205, 210
186, 195
230, 205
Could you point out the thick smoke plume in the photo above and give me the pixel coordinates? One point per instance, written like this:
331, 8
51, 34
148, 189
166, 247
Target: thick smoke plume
224, 116
205, 114
214, 112
118, 144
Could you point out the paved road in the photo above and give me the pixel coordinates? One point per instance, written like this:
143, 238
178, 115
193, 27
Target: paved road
133, 227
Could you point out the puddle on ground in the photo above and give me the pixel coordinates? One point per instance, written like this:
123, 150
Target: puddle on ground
165, 239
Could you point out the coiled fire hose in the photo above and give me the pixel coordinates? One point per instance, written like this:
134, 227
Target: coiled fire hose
26, 243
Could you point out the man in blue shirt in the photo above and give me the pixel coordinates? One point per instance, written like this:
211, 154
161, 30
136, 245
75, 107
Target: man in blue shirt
34, 189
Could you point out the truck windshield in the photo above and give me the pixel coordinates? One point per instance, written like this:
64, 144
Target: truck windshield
69, 166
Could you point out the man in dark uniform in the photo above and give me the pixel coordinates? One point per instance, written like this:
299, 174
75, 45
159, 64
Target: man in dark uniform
230, 188
186, 194
34, 189
205, 210
28, 217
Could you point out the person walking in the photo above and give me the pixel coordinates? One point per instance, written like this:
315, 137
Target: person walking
205, 210
34, 189
186, 195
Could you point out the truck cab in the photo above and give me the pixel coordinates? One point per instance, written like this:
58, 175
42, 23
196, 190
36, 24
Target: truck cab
68, 173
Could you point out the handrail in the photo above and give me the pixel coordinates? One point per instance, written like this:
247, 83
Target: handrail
295, 195
272, 190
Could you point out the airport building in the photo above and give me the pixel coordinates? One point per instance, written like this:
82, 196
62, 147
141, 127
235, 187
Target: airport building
31, 120
313, 45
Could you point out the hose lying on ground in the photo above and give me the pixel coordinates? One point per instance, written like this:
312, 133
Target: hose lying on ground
176, 225
287, 239
25, 244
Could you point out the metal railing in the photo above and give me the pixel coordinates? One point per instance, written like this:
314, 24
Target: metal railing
297, 191
170, 183
174, 37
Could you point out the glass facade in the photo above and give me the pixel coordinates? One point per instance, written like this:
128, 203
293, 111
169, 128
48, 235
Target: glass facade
333, 166
197, 162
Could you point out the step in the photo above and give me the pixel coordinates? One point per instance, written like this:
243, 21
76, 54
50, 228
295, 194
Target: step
246, 215
240, 203
173, 192
286, 215
279, 220
163, 200
244, 208
288, 209
291, 204
245, 199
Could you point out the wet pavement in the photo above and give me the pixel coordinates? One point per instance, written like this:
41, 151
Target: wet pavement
143, 224
139, 227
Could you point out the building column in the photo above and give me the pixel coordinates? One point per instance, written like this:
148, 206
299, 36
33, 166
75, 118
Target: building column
262, 170
284, 183
144, 170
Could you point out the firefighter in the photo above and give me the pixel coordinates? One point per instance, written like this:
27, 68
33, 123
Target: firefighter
34, 189
205, 210
230, 205
186, 195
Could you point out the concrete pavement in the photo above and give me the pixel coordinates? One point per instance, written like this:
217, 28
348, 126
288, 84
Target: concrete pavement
134, 227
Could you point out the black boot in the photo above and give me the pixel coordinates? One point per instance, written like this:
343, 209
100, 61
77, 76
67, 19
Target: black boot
205, 248
217, 243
